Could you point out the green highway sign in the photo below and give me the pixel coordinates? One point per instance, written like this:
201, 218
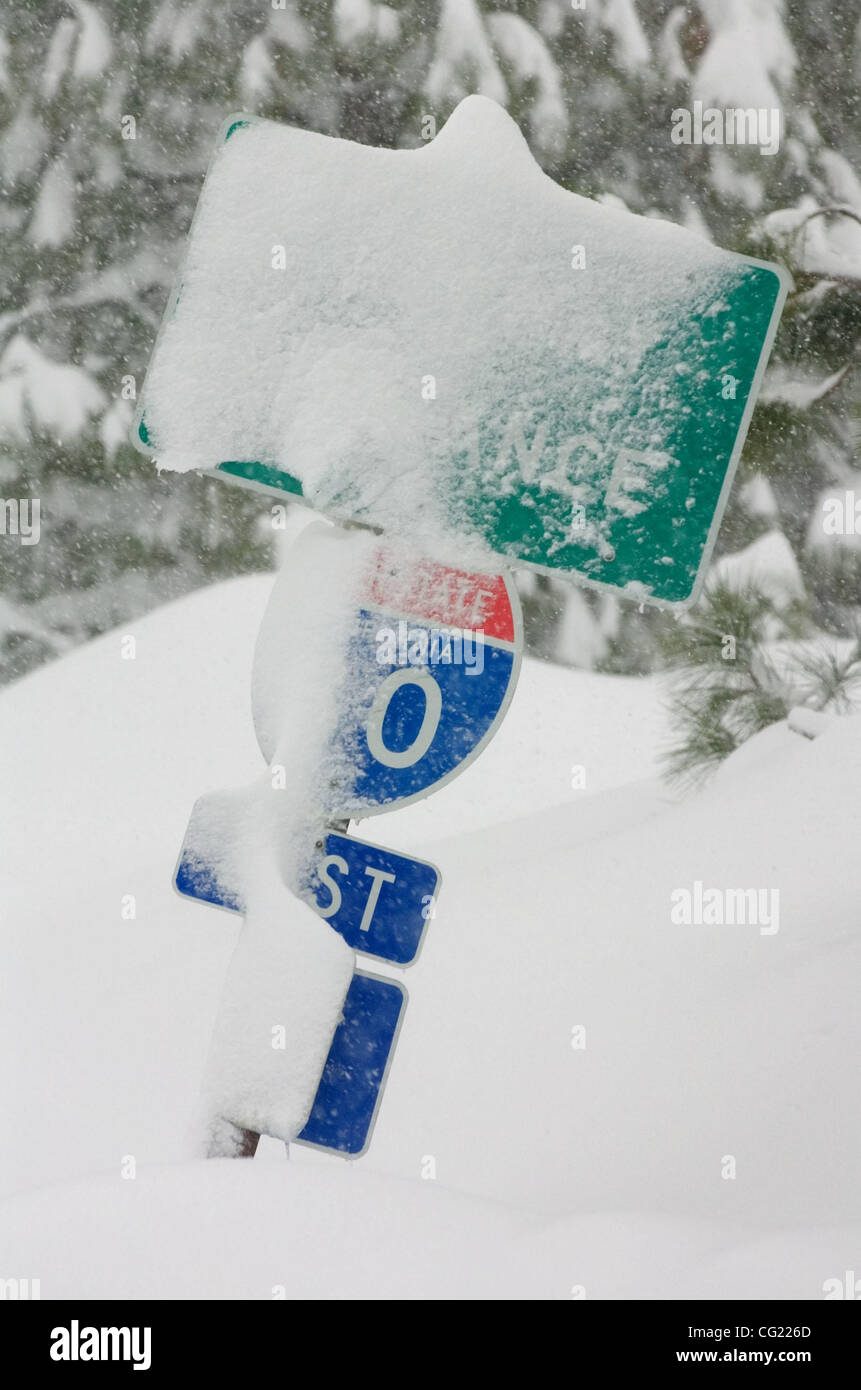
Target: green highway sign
444, 343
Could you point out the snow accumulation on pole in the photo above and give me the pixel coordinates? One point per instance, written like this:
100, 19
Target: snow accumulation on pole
280, 1006
443, 346
290, 972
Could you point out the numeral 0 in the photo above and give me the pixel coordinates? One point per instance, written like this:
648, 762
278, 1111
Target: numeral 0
408, 757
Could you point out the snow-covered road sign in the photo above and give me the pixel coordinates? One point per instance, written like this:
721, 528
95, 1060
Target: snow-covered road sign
379, 900
416, 664
383, 902
348, 1097
434, 656
478, 350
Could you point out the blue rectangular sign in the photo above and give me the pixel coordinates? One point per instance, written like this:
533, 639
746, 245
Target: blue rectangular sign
348, 1095
196, 878
379, 901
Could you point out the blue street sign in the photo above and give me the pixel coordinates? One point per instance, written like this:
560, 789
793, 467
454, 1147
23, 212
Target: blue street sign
196, 878
348, 1096
379, 901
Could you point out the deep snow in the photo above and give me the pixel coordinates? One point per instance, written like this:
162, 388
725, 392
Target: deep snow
555, 1167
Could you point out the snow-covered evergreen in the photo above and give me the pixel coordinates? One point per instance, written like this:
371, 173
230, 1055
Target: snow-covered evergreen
107, 119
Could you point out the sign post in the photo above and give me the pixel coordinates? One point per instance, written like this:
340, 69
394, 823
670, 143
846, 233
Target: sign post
422, 696
495, 369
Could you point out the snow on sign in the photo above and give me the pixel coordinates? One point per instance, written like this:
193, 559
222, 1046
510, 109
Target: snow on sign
445, 337
380, 903
378, 675
378, 900
433, 658
350, 1088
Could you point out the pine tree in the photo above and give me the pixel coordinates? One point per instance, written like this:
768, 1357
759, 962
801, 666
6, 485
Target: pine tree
108, 114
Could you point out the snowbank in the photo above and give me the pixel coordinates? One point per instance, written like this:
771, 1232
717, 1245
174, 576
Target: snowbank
702, 1042
274, 1230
